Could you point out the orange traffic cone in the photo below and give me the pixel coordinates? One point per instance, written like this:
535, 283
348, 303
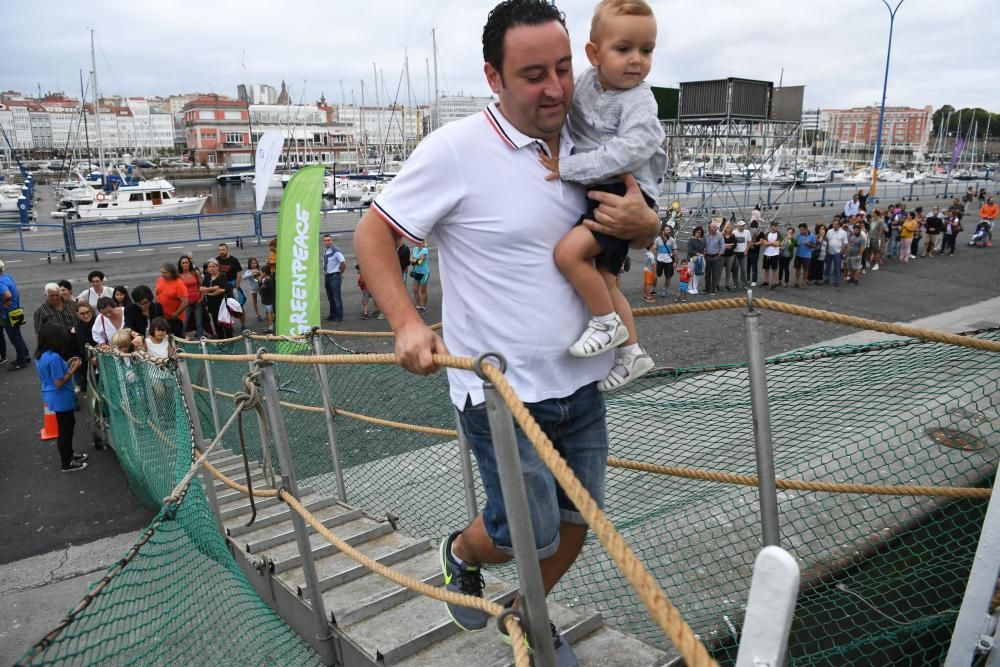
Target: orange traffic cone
50, 429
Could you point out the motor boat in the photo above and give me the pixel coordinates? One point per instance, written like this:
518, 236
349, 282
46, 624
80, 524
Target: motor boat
145, 198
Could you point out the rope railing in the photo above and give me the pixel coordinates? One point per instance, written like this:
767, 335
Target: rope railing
301, 337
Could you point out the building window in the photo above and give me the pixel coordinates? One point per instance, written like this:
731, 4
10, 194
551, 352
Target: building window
234, 138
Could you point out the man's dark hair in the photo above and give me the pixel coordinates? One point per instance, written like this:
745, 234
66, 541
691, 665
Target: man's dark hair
804, 226
141, 293
509, 14
65, 283
105, 302
95, 274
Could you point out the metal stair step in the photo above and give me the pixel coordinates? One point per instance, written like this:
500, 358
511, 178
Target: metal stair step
327, 510
488, 649
335, 565
353, 570
256, 477
609, 647
405, 629
236, 467
240, 506
286, 556
224, 459
265, 517
370, 594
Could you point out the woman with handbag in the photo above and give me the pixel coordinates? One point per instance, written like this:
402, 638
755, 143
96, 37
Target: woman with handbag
420, 272
11, 319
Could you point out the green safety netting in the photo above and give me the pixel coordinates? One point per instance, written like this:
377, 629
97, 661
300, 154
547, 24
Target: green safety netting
181, 600
882, 576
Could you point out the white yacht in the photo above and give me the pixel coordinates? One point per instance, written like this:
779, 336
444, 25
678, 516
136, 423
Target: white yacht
146, 198
9, 194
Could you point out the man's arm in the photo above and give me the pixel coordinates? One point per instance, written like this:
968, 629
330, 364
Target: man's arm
375, 245
627, 217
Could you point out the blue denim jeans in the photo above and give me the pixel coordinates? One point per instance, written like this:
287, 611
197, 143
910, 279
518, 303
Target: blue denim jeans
576, 426
17, 340
333, 282
832, 262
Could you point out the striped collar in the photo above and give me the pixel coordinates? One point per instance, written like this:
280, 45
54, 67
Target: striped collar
516, 139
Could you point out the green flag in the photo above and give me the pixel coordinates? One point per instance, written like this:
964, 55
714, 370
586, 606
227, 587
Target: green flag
298, 294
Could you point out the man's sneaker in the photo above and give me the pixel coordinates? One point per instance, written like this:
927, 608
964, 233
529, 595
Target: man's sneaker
875, 267
627, 367
3, 360
599, 337
564, 652
75, 466
462, 579
80, 457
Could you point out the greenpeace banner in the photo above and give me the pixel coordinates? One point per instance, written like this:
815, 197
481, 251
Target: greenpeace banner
268, 151
298, 293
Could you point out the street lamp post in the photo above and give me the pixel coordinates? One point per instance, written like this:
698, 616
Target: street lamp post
885, 83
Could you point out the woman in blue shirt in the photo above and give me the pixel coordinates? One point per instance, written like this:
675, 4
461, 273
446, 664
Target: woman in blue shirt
420, 271
57, 389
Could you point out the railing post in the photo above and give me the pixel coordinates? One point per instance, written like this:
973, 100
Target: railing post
187, 394
264, 451
767, 491
210, 381
289, 484
770, 609
522, 534
258, 228
331, 427
976, 632
468, 478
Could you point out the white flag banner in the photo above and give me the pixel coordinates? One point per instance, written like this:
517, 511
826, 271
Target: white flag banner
268, 151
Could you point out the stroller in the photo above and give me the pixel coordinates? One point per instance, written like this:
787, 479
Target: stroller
981, 235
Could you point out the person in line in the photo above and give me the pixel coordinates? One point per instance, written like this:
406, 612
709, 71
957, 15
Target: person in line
230, 269
403, 253
666, 248
267, 297
194, 316
988, 212
649, 273
365, 294
876, 239
740, 252
856, 244
615, 129
56, 375
84, 335
251, 278
272, 255
120, 296
420, 273
66, 290
334, 264
918, 233
753, 251
787, 251
110, 318
55, 309
852, 207
715, 246
684, 276
952, 226
142, 310
728, 254
696, 257
907, 231
12, 318
933, 227
171, 294
157, 342
97, 290
499, 219
772, 250
836, 242
215, 290
805, 245
818, 258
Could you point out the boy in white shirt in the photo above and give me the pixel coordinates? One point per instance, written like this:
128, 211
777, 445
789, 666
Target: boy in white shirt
616, 131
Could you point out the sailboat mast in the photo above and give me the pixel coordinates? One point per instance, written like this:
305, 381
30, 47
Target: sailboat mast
409, 102
361, 124
83, 111
378, 105
435, 113
97, 106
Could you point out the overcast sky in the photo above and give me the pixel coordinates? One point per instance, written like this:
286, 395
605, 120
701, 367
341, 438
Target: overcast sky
943, 53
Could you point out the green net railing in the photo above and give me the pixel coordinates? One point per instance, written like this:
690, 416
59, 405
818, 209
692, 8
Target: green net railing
882, 575
180, 599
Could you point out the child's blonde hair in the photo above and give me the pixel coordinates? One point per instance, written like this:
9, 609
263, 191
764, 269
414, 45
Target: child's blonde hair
617, 8
122, 340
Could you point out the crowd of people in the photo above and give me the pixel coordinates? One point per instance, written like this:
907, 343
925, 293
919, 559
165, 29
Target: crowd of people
735, 256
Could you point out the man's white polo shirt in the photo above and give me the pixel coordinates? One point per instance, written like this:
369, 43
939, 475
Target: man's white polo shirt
477, 185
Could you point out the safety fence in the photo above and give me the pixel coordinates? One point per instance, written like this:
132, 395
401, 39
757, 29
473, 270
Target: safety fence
46, 238
883, 564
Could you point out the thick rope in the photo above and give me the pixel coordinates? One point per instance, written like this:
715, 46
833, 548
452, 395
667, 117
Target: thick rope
486, 606
302, 337
803, 485
659, 606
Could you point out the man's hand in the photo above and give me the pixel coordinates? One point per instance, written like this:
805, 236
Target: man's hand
415, 345
551, 163
628, 217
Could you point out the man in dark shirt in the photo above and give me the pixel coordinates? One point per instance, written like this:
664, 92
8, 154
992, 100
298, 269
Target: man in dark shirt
229, 267
403, 252
933, 226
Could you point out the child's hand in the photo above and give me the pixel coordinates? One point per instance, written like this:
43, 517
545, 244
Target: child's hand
550, 163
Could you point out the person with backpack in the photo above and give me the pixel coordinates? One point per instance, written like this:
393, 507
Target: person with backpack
12, 317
